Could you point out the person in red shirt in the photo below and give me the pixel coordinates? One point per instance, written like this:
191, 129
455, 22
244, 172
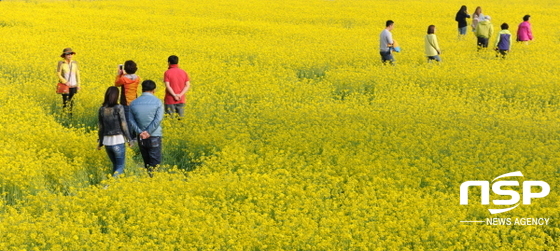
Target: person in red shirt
177, 83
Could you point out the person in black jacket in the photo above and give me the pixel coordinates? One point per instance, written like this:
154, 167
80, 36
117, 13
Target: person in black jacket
461, 19
113, 130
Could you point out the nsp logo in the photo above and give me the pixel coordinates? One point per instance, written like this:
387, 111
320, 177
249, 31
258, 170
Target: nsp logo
497, 189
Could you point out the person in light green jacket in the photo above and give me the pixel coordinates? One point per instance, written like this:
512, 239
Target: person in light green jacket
432, 46
484, 31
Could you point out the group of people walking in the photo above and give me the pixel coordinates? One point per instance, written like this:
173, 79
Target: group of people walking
481, 26
130, 118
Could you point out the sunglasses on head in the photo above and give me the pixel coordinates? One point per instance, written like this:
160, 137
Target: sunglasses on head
69, 53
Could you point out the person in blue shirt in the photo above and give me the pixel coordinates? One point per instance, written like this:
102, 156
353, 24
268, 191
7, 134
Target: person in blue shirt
146, 115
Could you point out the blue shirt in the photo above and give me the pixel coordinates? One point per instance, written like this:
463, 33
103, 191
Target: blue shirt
146, 114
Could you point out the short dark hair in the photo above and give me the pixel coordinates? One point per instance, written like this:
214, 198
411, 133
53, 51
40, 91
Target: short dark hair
173, 59
526, 17
111, 96
431, 29
389, 23
148, 85
504, 26
130, 67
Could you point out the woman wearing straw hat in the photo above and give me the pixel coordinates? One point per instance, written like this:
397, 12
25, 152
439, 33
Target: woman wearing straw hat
69, 74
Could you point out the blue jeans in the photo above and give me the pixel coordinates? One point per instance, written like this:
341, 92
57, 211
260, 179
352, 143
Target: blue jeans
463, 30
117, 156
127, 115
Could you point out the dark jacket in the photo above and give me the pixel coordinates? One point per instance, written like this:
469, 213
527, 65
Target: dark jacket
112, 122
461, 19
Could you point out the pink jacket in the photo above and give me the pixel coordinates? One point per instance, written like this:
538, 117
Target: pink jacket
524, 32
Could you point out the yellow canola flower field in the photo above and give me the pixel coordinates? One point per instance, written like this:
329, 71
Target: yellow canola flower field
295, 137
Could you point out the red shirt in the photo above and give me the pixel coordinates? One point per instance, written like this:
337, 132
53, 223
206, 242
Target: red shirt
177, 79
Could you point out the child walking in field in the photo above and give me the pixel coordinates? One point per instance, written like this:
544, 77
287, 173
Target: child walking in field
503, 42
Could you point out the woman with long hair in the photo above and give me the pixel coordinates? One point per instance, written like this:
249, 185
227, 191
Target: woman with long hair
461, 18
476, 17
113, 130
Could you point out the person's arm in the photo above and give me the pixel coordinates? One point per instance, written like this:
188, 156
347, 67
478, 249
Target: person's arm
390, 39
187, 85
59, 73
133, 125
77, 74
119, 81
170, 90
158, 116
529, 32
498, 40
124, 125
185, 89
100, 131
436, 45
477, 32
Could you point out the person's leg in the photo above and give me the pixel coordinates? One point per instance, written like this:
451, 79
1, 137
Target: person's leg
391, 58
504, 53
155, 152
482, 42
383, 61
144, 152
479, 42
111, 153
169, 109
64, 100
70, 101
150, 149
120, 154
127, 118
387, 56
180, 109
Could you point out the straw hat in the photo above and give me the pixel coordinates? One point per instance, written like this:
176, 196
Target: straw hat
67, 51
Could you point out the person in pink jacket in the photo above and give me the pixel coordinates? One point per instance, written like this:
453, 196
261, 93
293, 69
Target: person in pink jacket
524, 32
